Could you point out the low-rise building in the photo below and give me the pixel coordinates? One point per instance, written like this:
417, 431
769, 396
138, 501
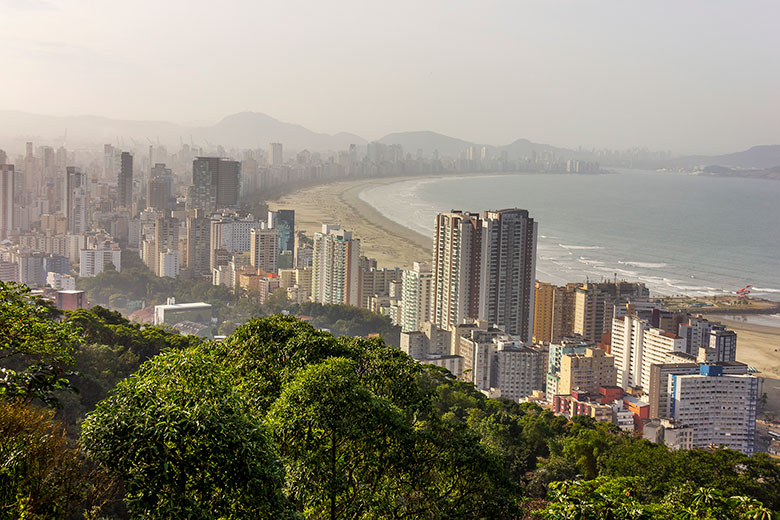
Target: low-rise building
173, 312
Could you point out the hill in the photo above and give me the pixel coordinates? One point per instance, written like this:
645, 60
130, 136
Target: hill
453, 147
245, 130
758, 157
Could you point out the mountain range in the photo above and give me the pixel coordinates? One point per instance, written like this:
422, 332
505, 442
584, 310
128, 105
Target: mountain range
256, 130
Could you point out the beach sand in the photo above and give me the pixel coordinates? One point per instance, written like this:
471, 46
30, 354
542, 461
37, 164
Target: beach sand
394, 245
759, 347
338, 203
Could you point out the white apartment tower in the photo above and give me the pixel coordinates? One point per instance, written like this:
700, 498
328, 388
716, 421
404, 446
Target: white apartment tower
720, 408
416, 297
636, 345
335, 267
92, 262
508, 271
457, 252
169, 264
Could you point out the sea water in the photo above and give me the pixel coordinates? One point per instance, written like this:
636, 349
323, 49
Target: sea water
680, 234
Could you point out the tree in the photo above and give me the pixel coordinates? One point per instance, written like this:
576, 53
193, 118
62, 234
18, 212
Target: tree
614, 498
41, 476
34, 349
341, 442
185, 442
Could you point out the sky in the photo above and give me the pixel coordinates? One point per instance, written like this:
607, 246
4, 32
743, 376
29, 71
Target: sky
699, 76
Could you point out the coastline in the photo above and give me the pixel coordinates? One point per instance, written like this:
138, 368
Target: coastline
392, 244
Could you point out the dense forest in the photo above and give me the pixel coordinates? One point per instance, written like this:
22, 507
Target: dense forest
101, 418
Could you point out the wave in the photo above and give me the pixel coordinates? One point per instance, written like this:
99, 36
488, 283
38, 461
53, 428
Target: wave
567, 246
588, 261
764, 289
645, 265
615, 270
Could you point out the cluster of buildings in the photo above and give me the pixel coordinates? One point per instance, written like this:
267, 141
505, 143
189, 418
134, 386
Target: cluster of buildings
602, 349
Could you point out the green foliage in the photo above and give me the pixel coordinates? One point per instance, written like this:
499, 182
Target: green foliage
34, 348
41, 476
353, 420
615, 498
341, 441
186, 444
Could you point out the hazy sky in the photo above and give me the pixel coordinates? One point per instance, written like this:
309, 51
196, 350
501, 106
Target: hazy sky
689, 76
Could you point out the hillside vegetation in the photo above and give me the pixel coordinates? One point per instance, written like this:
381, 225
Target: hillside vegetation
284, 421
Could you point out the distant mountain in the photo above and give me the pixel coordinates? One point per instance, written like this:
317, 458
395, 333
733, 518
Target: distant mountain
753, 173
525, 148
452, 147
253, 129
761, 157
242, 130
428, 142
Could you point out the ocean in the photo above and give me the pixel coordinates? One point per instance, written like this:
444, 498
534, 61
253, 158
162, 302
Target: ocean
680, 234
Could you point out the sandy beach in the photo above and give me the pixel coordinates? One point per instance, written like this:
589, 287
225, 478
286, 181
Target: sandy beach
759, 347
394, 245
339, 203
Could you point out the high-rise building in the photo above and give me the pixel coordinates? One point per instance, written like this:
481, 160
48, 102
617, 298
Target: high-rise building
231, 234
92, 262
125, 181
658, 395
543, 311
7, 206
335, 267
166, 238
722, 346
228, 184
593, 304
264, 249
275, 154
76, 200
587, 371
31, 270
215, 184
199, 245
720, 408
416, 297
159, 189
553, 312
169, 263
497, 364
637, 345
376, 282
284, 221
456, 266
508, 271
109, 162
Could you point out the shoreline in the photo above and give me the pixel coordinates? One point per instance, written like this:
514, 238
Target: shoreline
392, 244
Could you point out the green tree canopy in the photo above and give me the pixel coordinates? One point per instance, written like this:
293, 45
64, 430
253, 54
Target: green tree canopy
35, 349
186, 443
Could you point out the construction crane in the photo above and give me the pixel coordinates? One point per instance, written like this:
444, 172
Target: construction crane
745, 291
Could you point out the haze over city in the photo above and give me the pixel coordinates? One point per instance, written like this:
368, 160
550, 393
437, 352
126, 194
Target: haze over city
693, 77
440, 260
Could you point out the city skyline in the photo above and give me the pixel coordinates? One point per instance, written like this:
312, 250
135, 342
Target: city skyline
664, 76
